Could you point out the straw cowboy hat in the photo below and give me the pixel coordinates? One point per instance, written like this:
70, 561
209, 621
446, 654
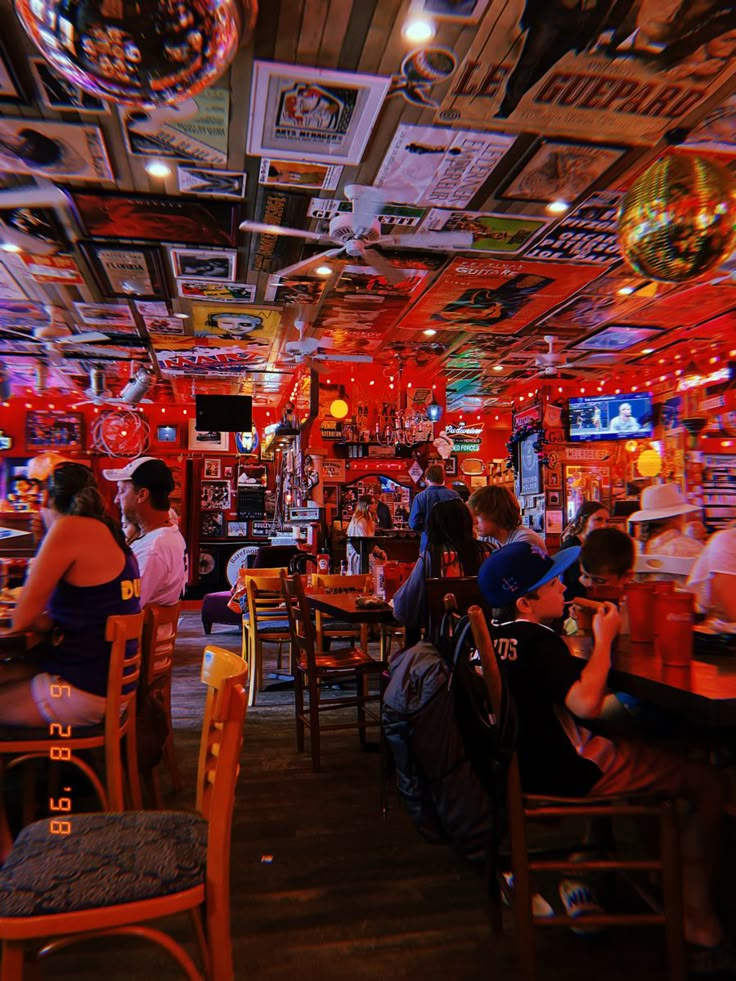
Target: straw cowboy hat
662, 501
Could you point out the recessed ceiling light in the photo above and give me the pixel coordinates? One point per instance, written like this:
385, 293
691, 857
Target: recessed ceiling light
181, 316
648, 350
498, 367
418, 30
558, 207
324, 270
10, 247
157, 168
429, 332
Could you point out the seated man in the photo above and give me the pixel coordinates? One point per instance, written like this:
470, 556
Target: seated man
558, 755
143, 492
713, 580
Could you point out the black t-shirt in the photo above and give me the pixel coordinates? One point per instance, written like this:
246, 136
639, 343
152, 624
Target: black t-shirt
540, 671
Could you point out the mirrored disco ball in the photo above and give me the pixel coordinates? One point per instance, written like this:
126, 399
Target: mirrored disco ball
678, 219
143, 53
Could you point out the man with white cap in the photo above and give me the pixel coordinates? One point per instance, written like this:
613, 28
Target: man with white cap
662, 522
143, 492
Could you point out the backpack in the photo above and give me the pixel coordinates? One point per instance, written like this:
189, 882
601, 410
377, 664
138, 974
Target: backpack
449, 750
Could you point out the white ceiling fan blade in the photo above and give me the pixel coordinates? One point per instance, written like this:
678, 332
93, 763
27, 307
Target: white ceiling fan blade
88, 337
390, 273
24, 241
47, 195
367, 205
264, 229
430, 240
355, 358
305, 264
99, 352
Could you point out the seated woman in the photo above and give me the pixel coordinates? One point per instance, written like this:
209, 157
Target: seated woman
589, 516
83, 573
713, 581
362, 525
451, 551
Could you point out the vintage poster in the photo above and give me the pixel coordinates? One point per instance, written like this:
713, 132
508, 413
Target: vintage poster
72, 151
215, 290
491, 233
312, 114
195, 129
481, 295
203, 263
293, 173
437, 167
153, 219
559, 171
274, 207
201, 359
105, 314
61, 95
121, 271
609, 69
52, 269
390, 214
587, 234
295, 289
210, 183
9, 288
717, 132
256, 325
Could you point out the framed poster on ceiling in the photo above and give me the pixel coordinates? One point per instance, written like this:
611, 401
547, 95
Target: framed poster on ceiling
312, 114
126, 270
560, 171
203, 264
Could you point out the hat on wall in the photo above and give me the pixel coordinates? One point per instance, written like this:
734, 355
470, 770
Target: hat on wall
515, 570
146, 471
662, 501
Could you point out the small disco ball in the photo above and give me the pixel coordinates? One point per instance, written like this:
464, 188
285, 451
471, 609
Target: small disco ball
143, 54
678, 219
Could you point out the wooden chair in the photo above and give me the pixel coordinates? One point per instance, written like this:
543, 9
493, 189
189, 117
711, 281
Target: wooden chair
466, 591
312, 668
157, 863
115, 731
522, 807
265, 622
160, 628
330, 627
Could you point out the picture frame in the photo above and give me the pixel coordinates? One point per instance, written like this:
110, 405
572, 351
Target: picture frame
207, 183
167, 434
560, 170
553, 499
529, 466
463, 12
151, 218
54, 430
212, 442
312, 114
212, 468
123, 271
617, 337
78, 149
212, 524
237, 529
114, 316
215, 290
60, 95
215, 495
451, 466
205, 264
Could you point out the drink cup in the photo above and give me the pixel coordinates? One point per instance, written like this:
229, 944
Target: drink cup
675, 636
661, 589
391, 578
640, 603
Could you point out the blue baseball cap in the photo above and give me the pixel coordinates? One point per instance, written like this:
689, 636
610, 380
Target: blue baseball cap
515, 570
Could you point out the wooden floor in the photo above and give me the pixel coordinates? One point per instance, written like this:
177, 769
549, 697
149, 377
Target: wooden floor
323, 889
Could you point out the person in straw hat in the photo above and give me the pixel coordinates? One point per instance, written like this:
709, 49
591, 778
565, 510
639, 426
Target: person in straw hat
661, 521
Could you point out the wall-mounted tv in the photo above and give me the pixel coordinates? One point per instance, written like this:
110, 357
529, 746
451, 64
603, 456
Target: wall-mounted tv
224, 413
598, 417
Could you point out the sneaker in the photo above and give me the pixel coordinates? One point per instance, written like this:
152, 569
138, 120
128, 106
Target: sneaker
579, 900
540, 907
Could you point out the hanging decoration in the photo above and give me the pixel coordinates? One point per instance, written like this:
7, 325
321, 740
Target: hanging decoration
518, 436
678, 219
121, 433
143, 55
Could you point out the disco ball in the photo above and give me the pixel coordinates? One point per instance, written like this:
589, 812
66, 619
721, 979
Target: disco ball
143, 53
678, 219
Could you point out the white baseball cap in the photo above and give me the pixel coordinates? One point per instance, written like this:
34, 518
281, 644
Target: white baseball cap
126, 472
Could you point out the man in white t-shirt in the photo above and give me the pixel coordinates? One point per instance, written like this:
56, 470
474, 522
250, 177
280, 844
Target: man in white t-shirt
713, 581
143, 496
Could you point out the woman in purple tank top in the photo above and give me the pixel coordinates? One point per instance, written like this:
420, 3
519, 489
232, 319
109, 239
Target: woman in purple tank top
83, 573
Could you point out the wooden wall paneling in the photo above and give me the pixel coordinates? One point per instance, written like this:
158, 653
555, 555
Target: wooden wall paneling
359, 24
314, 23
335, 28
386, 15
287, 39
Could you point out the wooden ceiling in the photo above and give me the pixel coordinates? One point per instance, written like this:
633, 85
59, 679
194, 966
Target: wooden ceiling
510, 106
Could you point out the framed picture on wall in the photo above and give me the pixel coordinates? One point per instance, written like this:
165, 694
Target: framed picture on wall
215, 495
212, 469
212, 524
55, 430
206, 440
529, 466
451, 466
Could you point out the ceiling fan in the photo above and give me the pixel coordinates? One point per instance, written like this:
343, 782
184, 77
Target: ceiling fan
550, 362
56, 339
311, 350
356, 234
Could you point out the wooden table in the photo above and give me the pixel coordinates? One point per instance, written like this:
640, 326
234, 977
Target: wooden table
703, 693
344, 607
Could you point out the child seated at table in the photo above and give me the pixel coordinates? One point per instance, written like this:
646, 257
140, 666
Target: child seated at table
556, 692
606, 564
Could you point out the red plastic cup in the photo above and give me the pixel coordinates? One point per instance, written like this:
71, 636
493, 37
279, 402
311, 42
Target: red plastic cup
675, 637
640, 604
661, 589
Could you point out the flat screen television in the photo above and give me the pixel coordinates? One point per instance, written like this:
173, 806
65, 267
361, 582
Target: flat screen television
223, 413
600, 417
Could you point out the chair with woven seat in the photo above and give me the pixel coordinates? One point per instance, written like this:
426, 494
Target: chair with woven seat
266, 622
327, 627
116, 734
156, 863
312, 668
523, 807
160, 628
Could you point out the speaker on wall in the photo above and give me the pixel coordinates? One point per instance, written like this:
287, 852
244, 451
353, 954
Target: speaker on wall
223, 413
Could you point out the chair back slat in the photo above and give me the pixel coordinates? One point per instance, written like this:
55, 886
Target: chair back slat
224, 674
300, 619
336, 581
125, 668
484, 645
160, 628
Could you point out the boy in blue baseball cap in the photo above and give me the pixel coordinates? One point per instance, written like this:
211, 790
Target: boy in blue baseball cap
555, 692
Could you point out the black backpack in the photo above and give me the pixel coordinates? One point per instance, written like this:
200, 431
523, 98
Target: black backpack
450, 752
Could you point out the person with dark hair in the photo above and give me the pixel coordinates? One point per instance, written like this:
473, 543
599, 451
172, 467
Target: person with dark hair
606, 559
498, 517
83, 573
589, 516
555, 694
452, 550
422, 505
462, 489
144, 486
